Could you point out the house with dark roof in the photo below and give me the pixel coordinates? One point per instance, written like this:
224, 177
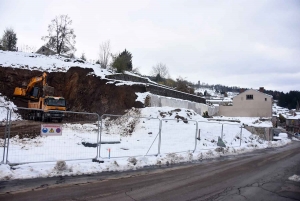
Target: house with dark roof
250, 103
45, 51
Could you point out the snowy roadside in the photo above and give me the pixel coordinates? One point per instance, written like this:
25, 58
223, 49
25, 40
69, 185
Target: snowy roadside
177, 138
73, 168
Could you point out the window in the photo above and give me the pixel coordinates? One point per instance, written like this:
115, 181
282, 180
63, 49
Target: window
249, 97
265, 99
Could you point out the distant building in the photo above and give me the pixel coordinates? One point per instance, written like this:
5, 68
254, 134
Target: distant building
45, 51
250, 103
293, 123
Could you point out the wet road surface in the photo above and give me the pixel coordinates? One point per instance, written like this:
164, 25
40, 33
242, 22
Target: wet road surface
259, 175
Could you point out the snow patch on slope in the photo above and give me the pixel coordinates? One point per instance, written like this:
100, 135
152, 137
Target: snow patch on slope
5, 104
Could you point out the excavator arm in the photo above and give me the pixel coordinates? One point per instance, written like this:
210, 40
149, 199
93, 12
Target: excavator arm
27, 92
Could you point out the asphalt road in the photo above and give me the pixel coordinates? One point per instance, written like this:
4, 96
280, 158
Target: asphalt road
259, 175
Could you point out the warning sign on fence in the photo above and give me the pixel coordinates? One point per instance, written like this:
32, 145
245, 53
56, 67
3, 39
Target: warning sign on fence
51, 129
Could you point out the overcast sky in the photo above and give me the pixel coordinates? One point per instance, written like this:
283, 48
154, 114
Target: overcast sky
249, 43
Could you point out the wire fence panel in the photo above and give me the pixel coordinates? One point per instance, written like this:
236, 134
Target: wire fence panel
232, 134
4, 115
209, 134
178, 135
32, 140
125, 135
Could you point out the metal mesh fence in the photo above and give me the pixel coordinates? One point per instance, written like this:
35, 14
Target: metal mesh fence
212, 131
86, 136
32, 140
178, 135
232, 134
125, 135
4, 115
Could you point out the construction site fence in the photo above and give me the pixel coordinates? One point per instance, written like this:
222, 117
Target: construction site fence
155, 136
87, 136
34, 141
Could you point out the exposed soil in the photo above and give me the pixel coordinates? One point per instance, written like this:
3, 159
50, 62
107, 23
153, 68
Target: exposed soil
82, 91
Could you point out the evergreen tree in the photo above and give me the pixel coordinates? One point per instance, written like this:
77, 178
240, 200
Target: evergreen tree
122, 61
9, 40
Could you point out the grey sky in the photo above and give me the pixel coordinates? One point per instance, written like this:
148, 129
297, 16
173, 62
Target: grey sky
236, 43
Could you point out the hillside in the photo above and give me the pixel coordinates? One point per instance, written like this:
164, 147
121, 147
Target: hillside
82, 84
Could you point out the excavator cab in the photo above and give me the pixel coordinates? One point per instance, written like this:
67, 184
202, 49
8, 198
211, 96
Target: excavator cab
35, 93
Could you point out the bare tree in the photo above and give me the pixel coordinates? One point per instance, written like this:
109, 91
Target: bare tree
83, 57
104, 54
61, 37
160, 70
136, 70
27, 48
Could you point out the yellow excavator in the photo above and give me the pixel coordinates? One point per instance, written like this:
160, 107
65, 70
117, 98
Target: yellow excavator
49, 106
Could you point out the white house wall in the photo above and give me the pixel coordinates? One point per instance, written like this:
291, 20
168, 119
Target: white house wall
259, 106
199, 108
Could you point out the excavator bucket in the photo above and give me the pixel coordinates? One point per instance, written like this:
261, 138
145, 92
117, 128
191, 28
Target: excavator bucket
48, 91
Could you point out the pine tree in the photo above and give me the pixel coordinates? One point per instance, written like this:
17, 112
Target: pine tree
9, 40
122, 62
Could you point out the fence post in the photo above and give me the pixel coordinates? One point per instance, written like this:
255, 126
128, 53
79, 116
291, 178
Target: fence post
99, 151
98, 137
222, 132
8, 138
159, 139
5, 134
196, 136
199, 130
241, 135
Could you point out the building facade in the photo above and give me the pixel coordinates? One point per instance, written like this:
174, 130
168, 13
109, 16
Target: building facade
250, 103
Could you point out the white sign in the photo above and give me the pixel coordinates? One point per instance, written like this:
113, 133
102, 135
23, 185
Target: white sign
51, 129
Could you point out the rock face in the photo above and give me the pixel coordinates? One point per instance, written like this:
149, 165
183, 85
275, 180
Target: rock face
83, 91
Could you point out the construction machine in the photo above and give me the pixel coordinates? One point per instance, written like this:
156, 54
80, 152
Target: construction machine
48, 106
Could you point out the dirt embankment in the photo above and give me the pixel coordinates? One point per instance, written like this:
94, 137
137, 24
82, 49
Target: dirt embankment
83, 92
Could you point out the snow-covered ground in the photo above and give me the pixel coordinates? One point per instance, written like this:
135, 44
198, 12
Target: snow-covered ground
211, 92
53, 63
6, 104
137, 144
250, 121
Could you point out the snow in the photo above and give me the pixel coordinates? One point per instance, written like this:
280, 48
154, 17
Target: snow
280, 136
211, 92
295, 178
5, 105
250, 121
53, 63
141, 96
136, 147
